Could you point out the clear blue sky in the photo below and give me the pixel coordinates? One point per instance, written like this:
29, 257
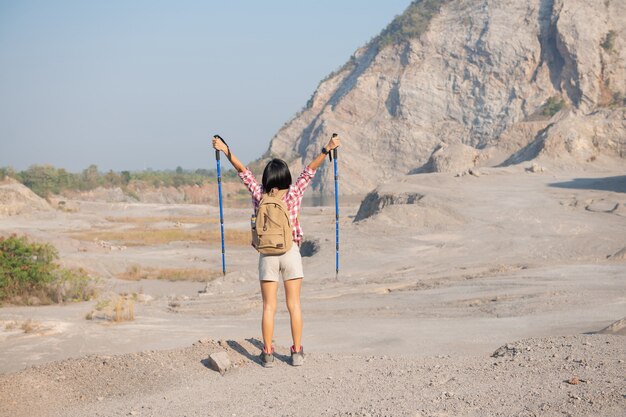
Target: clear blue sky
144, 83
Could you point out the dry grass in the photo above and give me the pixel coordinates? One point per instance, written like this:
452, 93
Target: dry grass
171, 219
27, 326
30, 326
114, 308
136, 272
147, 237
10, 326
124, 310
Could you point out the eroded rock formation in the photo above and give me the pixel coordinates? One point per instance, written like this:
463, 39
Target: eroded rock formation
518, 79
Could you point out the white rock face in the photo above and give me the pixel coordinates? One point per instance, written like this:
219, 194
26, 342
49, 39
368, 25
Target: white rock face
480, 75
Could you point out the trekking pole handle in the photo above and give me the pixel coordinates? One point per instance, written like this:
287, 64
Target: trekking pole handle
334, 151
217, 153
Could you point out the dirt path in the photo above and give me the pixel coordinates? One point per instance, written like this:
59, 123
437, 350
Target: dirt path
531, 377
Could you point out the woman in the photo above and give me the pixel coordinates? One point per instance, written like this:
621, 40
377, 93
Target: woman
276, 175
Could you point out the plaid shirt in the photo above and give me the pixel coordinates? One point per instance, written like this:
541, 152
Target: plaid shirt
293, 198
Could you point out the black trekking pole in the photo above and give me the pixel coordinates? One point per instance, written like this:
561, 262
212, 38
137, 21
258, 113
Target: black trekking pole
219, 192
334, 154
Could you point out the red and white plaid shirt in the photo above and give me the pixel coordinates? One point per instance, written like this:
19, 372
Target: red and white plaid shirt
293, 197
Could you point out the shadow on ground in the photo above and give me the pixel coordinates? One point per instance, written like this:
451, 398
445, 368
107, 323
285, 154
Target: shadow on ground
254, 357
616, 184
259, 345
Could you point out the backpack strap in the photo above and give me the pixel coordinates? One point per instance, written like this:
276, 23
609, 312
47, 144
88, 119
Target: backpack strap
275, 192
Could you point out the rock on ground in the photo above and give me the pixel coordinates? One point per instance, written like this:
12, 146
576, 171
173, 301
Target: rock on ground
219, 361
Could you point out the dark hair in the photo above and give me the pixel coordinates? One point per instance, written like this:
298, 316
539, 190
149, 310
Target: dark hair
276, 175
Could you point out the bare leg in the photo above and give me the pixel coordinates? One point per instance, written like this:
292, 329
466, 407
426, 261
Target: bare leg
269, 290
292, 295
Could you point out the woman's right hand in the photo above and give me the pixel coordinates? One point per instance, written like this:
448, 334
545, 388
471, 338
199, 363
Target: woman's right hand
333, 143
219, 145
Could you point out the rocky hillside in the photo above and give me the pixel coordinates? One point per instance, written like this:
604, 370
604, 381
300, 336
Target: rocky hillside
514, 79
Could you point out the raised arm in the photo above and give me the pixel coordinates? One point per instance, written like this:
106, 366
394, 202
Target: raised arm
333, 143
219, 145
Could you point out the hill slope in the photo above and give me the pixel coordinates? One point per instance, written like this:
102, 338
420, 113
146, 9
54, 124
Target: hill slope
517, 79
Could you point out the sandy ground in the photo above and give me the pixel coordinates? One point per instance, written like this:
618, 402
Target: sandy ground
408, 328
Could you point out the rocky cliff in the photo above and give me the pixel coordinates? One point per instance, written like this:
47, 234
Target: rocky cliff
514, 79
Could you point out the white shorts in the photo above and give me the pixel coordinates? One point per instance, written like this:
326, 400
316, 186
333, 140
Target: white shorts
288, 264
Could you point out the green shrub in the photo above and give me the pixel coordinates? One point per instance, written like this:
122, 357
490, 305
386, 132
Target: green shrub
28, 271
6, 172
411, 24
72, 285
25, 266
553, 106
609, 41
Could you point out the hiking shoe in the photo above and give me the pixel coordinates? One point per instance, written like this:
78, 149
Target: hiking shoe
267, 359
297, 358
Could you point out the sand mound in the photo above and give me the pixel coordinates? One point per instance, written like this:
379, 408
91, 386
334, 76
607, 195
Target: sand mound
620, 255
407, 209
16, 198
454, 158
617, 328
573, 139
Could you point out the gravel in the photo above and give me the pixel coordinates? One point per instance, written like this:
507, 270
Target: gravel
532, 377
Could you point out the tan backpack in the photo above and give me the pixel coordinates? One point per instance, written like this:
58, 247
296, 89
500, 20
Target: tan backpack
271, 228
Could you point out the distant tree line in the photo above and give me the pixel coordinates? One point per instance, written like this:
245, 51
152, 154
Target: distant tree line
45, 180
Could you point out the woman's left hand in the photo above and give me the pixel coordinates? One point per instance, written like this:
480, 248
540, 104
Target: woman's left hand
219, 145
333, 143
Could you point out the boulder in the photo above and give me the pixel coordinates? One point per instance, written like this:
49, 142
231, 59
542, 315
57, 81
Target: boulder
456, 158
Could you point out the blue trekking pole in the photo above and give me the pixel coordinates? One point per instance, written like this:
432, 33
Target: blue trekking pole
219, 192
334, 154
